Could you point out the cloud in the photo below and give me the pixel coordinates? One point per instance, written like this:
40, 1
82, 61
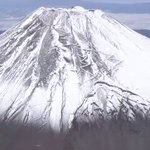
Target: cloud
134, 21
8, 22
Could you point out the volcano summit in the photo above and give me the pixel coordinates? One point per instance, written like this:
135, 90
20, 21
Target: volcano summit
61, 65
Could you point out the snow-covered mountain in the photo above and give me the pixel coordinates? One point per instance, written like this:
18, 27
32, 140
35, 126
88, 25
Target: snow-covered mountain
60, 65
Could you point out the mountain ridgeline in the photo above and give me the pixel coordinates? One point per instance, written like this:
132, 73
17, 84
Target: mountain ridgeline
69, 72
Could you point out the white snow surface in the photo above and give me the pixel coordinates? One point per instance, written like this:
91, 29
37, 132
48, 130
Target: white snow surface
61, 64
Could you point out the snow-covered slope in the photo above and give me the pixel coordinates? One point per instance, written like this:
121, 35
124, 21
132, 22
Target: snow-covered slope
58, 65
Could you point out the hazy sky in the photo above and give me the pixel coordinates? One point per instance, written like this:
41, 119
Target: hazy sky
120, 1
116, 1
37, 3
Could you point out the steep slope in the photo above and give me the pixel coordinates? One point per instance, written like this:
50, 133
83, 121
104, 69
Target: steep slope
58, 65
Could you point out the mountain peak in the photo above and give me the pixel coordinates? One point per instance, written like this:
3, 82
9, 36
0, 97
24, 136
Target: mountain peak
58, 65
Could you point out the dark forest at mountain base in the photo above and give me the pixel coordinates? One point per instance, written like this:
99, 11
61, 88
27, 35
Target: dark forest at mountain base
114, 134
